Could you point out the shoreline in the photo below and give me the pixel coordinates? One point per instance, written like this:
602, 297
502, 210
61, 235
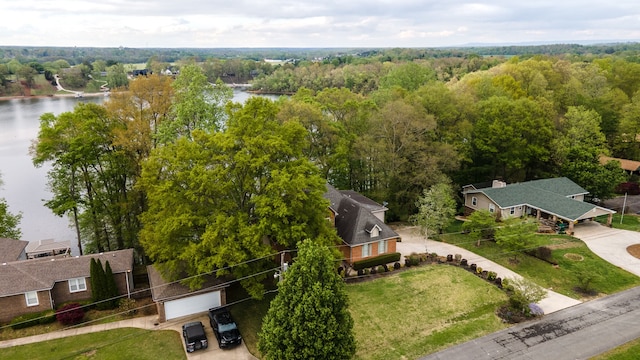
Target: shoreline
26, 97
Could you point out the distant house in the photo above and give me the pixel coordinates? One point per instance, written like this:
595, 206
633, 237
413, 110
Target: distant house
360, 224
35, 285
631, 166
48, 247
12, 250
555, 199
175, 300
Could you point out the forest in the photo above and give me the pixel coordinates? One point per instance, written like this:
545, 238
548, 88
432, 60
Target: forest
174, 169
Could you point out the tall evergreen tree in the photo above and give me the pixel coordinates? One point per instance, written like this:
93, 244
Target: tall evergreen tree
309, 318
100, 289
111, 287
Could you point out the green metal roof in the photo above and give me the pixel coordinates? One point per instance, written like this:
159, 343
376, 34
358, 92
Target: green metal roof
548, 195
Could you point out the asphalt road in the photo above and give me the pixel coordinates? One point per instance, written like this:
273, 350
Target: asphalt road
578, 332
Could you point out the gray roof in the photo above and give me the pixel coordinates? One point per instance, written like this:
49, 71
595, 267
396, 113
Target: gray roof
549, 195
354, 219
10, 249
19, 277
161, 289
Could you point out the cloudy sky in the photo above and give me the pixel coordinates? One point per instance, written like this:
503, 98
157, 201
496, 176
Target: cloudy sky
313, 23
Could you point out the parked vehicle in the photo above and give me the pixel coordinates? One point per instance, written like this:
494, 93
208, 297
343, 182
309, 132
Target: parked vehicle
224, 328
194, 336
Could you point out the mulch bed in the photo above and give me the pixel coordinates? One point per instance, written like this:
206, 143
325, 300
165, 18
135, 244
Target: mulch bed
634, 250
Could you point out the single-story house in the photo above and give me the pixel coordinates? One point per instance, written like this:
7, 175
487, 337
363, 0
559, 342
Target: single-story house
360, 224
555, 198
41, 284
175, 300
12, 250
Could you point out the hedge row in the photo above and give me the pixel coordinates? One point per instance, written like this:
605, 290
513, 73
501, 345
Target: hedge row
375, 261
28, 320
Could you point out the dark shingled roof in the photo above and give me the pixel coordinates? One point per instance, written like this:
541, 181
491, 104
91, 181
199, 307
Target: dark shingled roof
19, 277
11, 249
354, 219
549, 195
162, 290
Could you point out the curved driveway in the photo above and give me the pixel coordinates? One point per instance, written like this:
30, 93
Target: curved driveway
577, 332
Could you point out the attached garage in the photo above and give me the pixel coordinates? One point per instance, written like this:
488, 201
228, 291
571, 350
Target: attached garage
175, 300
191, 305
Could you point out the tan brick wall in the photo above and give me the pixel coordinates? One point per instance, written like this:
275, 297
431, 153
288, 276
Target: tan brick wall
13, 306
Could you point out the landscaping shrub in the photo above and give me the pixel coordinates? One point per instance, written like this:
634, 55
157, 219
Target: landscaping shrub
127, 306
463, 262
449, 258
28, 320
397, 266
70, 314
457, 257
373, 270
630, 188
535, 310
375, 261
491, 275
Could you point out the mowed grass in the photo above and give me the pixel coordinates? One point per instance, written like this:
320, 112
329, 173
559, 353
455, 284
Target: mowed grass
125, 343
628, 351
562, 278
422, 310
629, 221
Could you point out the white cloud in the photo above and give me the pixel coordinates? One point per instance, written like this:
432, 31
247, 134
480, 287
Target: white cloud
305, 23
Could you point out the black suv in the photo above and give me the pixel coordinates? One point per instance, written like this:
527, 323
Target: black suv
224, 328
194, 336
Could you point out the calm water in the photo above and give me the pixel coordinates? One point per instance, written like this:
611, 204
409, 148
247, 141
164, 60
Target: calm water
25, 186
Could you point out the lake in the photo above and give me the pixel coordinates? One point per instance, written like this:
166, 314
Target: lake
25, 186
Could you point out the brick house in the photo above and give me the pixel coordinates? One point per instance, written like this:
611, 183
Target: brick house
35, 285
360, 224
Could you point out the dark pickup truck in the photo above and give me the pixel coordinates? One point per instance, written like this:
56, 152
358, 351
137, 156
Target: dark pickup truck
194, 336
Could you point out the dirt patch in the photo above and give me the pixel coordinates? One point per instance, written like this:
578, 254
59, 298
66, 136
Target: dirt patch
634, 250
567, 245
573, 257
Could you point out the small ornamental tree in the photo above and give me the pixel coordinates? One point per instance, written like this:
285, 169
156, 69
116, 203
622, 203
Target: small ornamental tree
516, 235
309, 319
481, 225
70, 314
436, 210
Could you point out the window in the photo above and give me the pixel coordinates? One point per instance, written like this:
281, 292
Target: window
512, 210
382, 246
77, 284
492, 208
366, 250
474, 201
32, 298
375, 231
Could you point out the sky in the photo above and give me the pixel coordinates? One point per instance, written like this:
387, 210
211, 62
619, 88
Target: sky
314, 23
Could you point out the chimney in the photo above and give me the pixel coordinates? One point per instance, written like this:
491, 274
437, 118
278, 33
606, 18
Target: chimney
498, 184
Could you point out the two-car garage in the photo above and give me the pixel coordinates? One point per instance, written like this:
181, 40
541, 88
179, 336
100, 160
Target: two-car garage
174, 300
191, 304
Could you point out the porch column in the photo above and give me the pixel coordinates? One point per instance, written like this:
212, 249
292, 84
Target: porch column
537, 214
570, 232
609, 220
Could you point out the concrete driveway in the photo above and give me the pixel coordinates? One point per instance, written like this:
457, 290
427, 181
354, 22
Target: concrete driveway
413, 242
610, 244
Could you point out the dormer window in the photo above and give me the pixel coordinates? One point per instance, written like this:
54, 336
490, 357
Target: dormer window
373, 230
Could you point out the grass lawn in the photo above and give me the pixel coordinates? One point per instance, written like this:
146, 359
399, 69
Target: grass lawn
563, 278
629, 221
125, 343
406, 314
628, 351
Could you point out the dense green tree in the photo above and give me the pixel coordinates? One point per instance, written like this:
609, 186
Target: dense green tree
409, 76
220, 199
436, 210
9, 223
99, 287
90, 177
309, 318
516, 235
198, 104
117, 76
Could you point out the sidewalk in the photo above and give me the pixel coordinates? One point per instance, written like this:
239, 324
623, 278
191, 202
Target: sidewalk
413, 242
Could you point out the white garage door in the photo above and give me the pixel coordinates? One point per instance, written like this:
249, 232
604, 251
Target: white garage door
191, 305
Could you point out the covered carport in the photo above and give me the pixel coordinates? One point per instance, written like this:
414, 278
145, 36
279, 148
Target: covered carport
570, 211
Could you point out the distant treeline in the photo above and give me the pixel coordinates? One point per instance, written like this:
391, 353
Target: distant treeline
78, 55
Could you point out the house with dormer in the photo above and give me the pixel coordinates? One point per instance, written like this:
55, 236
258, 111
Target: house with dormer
360, 224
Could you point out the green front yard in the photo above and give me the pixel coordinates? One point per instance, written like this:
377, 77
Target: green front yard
127, 343
572, 256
